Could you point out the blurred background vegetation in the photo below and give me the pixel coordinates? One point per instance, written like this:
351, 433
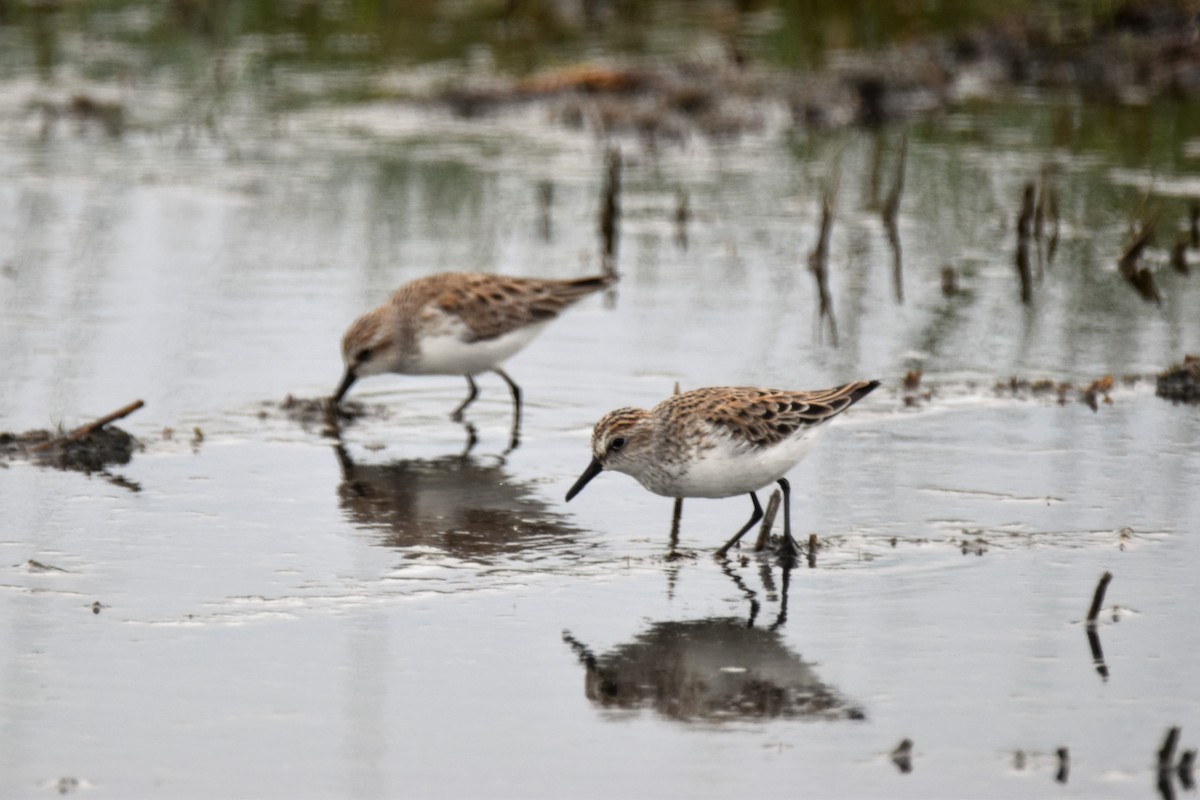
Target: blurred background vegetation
523, 35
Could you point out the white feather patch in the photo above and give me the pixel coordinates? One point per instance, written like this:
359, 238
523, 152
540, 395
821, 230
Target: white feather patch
448, 352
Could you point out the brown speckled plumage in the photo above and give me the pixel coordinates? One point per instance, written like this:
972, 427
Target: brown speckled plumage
717, 442
763, 417
756, 418
461, 323
492, 305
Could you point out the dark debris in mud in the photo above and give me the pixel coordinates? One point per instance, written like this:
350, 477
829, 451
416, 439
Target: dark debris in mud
322, 413
94, 452
90, 448
1090, 394
1181, 382
915, 394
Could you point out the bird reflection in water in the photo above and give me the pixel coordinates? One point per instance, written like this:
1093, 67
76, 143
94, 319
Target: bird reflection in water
470, 508
712, 670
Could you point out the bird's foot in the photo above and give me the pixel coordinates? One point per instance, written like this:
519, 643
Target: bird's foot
788, 551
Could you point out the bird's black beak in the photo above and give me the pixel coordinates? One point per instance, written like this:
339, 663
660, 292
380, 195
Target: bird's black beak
593, 469
343, 387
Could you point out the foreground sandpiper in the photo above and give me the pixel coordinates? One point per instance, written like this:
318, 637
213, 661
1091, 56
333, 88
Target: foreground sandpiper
457, 323
718, 442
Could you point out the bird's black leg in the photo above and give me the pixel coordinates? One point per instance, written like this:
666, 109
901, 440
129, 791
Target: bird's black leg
789, 548
516, 396
457, 414
758, 512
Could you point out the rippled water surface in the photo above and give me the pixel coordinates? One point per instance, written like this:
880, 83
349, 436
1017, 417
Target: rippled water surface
250, 607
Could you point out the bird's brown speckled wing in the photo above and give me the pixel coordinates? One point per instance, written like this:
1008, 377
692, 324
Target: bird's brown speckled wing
492, 305
763, 417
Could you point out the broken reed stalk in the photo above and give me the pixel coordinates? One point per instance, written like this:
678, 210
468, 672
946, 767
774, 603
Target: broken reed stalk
818, 259
1064, 764
610, 207
812, 551
85, 430
1194, 224
889, 214
1093, 638
768, 521
1024, 228
1130, 264
1166, 753
902, 756
1186, 769
1098, 597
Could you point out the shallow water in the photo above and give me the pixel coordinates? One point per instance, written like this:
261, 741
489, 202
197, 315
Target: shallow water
393, 617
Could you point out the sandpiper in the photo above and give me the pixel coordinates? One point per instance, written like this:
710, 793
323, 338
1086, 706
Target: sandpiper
718, 442
457, 323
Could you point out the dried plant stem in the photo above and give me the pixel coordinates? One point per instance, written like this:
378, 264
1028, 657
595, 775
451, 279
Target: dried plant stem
768, 521
84, 431
1098, 597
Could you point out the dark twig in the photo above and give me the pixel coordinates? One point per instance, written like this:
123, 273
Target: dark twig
1064, 764
1186, 770
610, 208
818, 259
1166, 753
812, 551
889, 214
1024, 227
1098, 597
1093, 637
1166, 760
902, 756
84, 431
1166, 789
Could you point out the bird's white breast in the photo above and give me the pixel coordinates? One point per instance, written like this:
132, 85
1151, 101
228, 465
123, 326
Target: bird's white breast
728, 468
445, 349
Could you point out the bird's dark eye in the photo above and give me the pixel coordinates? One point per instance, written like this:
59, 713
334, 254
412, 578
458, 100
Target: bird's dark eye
617, 443
364, 355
